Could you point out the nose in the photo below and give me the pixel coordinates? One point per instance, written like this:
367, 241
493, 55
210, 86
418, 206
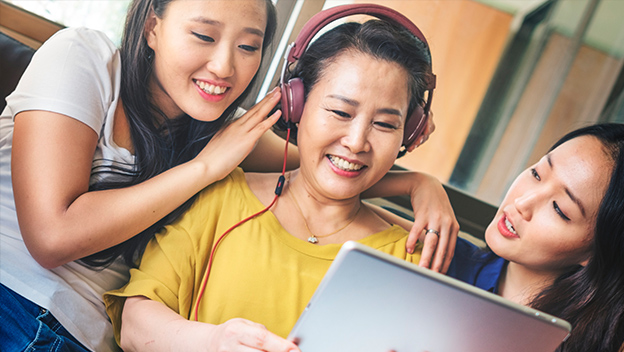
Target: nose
526, 203
221, 63
356, 136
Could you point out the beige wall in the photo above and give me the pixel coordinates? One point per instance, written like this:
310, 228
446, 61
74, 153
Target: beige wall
467, 39
26, 27
556, 100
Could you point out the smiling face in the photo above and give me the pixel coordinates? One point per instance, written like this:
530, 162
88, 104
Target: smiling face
205, 54
546, 221
352, 125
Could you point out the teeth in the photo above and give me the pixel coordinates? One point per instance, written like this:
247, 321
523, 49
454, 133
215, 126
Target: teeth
211, 89
344, 165
510, 227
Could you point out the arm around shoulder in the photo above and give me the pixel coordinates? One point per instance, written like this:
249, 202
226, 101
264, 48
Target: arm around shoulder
432, 211
60, 219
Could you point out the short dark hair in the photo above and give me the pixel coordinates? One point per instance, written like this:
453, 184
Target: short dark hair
380, 39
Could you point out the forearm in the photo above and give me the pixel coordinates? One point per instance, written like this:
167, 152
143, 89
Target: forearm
151, 326
61, 221
432, 211
60, 232
395, 183
391, 217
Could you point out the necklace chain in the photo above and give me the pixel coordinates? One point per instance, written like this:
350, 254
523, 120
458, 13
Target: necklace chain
314, 238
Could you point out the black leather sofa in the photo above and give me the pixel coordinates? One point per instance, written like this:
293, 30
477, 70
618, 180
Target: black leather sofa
14, 57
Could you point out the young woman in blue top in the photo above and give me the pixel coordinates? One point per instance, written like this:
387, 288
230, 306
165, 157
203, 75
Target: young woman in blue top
100, 147
557, 241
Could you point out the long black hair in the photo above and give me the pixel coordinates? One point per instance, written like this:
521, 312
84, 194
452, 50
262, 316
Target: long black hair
380, 39
157, 147
591, 297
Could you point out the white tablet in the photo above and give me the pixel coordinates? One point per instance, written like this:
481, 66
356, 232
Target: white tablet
370, 301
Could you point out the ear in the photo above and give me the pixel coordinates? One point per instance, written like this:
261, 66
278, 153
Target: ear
148, 31
589, 252
430, 127
585, 259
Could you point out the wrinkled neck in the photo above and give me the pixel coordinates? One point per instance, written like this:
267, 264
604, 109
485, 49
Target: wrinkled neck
316, 206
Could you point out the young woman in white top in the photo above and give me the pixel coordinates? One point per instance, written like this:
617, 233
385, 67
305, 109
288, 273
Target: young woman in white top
100, 147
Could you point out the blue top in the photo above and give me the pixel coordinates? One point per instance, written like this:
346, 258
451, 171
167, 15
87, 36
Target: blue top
477, 266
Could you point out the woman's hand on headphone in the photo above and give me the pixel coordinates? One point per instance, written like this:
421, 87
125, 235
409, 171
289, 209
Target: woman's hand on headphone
426, 133
235, 141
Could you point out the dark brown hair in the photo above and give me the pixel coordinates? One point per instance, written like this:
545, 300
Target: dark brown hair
591, 297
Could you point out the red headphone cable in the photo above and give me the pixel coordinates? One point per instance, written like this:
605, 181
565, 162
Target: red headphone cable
278, 192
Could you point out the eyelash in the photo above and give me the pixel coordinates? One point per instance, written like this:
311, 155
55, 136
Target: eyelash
535, 174
386, 125
207, 39
555, 205
341, 114
347, 116
249, 48
559, 212
203, 37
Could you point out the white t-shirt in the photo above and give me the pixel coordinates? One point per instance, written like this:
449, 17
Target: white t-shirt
75, 73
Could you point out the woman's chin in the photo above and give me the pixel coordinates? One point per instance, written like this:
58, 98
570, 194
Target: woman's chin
209, 115
492, 236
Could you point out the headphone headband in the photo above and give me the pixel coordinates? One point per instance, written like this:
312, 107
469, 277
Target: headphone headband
323, 18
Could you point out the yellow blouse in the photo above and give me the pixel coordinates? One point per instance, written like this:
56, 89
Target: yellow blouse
260, 272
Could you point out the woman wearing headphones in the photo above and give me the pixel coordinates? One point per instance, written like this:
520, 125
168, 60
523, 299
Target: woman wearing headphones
362, 82
100, 147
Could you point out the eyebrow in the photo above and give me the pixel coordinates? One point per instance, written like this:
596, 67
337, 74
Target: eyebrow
354, 103
205, 20
567, 190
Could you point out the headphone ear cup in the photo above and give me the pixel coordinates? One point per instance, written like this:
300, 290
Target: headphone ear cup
285, 101
414, 126
293, 99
